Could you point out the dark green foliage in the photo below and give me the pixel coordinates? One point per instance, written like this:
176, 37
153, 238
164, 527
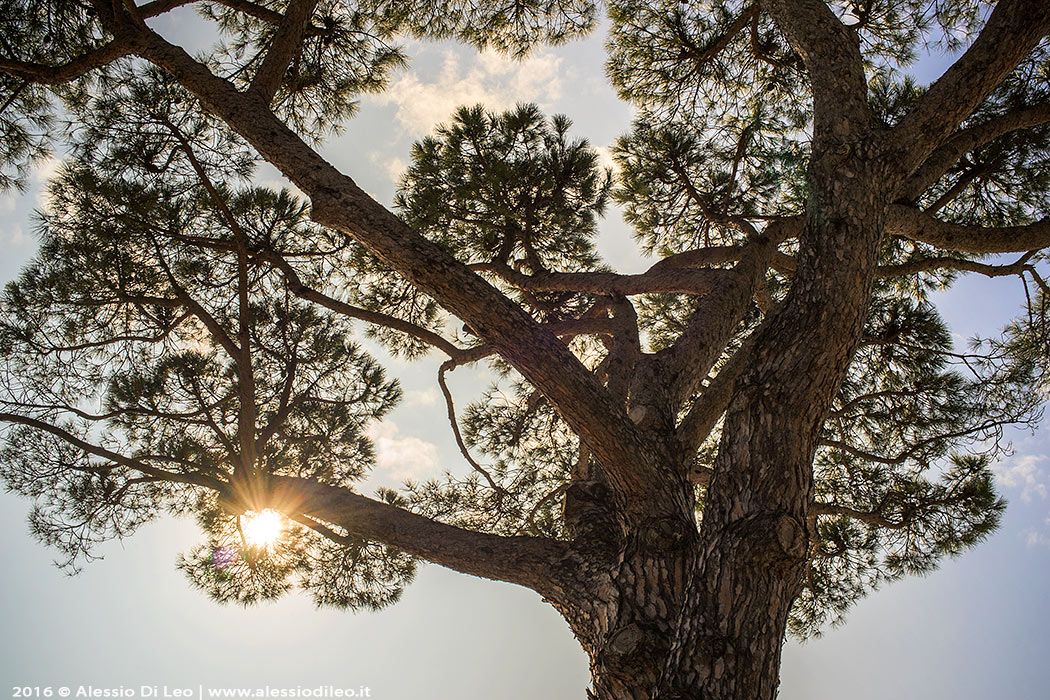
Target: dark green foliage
512, 28
679, 61
139, 124
44, 31
918, 523
509, 188
120, 333
357, 574
908, 403
25, 118
80, 502
680, 186
125, 332
48, 31
348, 51
1007, 181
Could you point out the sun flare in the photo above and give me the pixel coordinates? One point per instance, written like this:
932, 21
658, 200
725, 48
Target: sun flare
262, 529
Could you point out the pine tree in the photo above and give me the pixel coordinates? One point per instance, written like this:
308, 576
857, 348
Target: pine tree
687, 463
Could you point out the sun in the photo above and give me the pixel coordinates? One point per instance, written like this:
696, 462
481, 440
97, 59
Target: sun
263, 528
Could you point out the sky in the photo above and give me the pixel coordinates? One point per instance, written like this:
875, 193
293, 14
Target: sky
974, 629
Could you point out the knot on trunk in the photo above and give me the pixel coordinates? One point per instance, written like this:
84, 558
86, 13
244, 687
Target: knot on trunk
589, 511
771, 539
791, 535
667, 534
635, 647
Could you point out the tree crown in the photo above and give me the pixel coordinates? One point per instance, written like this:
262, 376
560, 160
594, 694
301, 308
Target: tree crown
182, 341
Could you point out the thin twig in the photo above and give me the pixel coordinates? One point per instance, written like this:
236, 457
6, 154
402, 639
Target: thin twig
445, 366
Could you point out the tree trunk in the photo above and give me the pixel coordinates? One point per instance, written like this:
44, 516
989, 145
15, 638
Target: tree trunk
703, 614
650, 634
670, 612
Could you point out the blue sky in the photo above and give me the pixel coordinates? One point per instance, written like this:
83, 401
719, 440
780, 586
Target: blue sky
973, 629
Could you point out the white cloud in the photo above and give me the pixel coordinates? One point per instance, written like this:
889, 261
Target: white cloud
45, 170
421, 397
1034, 538
12, 237
1024, 473
496, 81
392, 167
401, 456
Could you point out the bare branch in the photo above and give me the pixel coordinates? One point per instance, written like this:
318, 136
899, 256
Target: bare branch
910, 450
450, 405
254, 10
265, 14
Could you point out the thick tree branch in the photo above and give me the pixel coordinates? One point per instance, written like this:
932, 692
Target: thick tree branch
569, 328
1019, 266
918, 226
661, 278
709, 407
718, 314
285, 45
836, 69
864, 516
533, 562
159, 7
703, 54
1013, 29
79, 66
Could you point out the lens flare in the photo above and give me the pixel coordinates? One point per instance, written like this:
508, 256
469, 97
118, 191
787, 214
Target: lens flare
262, 529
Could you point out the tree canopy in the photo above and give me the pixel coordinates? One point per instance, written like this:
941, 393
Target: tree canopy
742, 440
